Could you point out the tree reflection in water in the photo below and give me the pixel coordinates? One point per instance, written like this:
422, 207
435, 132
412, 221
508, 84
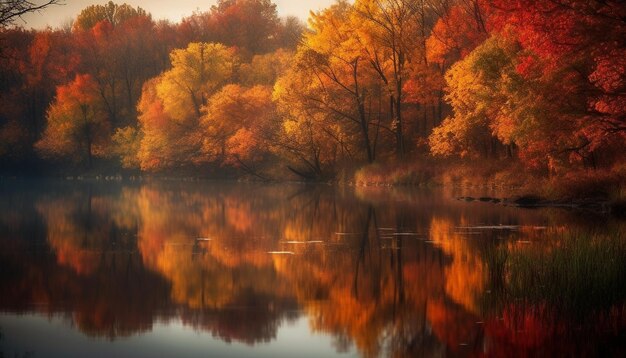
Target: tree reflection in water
392, 273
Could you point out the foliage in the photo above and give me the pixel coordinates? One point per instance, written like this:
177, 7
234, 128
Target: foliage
77, 124
581, 49
475, 91
197, 71
238, 125
127, 142
307, 139
265, 69
110, 12
165, 142
253, 26
536, 84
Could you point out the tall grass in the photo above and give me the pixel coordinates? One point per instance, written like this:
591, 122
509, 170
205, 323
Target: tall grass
578, 273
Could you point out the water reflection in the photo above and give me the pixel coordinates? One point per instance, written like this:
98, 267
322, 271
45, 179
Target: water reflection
388, 273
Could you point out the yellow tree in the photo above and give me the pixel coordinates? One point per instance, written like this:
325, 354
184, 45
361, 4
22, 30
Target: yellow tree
127, 142
265, 69
341, 82
481, 89
392, 34
111, 12
308, 140
197, 72
77, 124
172, 104
165, 142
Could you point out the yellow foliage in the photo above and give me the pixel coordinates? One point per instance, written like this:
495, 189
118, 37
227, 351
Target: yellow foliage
197, 71
265, 69
127, 142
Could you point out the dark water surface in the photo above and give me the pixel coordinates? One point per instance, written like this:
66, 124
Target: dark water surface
235, 270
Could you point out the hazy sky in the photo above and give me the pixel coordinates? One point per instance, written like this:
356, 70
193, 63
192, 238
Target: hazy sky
172, 10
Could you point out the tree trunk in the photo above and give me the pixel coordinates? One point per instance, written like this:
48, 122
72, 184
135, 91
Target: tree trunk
399, 124
362, 115
87, 133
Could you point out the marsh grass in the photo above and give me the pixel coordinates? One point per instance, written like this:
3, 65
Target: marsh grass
576, 273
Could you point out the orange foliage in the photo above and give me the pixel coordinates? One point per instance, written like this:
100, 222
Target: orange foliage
239, 123
77, 127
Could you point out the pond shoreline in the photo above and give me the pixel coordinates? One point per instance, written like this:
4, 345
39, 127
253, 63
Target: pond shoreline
603, 205
596, 205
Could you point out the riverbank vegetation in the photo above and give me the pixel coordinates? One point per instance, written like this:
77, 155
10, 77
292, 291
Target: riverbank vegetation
522, 93
563, 273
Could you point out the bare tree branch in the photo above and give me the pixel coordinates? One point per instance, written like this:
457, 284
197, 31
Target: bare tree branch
11, 10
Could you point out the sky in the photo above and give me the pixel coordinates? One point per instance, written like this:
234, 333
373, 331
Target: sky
173, 10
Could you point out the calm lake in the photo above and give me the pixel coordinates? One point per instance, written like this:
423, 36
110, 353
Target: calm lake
233, 270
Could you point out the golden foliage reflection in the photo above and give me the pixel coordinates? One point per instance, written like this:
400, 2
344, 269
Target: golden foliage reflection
379, 274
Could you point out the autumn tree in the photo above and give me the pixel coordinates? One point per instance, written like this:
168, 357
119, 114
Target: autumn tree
342, 83
265, 69
504, 102
584, 43
98, 59
32, 64
251, 25
111, 12
239, 125
197, 72
77, 125
119, 49
165, 143
308, 140
459, 27
53, 60
475, 87
393, 34
173, 103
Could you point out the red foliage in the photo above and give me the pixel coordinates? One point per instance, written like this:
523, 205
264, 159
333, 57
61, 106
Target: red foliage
581, 40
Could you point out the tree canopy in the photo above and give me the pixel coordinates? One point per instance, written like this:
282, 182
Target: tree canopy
234, 89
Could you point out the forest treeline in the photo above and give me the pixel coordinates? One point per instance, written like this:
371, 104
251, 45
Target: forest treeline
238, 90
